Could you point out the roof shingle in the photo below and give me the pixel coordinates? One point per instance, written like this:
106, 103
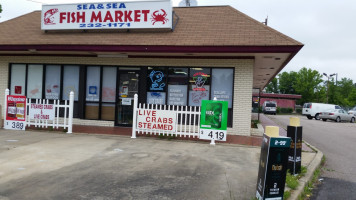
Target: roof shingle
197, 26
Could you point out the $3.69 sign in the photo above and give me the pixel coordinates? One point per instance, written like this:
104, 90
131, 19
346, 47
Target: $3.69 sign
207, 134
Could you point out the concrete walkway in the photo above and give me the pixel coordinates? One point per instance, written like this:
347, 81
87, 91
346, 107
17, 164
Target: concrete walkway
54, 165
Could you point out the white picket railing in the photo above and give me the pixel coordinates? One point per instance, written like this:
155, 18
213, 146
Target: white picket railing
187, 119
64, 122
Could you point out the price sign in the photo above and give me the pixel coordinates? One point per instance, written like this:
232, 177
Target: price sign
213, 120
207, 134
15, 112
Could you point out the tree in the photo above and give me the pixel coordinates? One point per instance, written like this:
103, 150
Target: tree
287, 82
272, 86
0, 8
307, 84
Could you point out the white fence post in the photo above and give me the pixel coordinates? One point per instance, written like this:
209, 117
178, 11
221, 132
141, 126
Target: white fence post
7, 92
70, 117
134, 117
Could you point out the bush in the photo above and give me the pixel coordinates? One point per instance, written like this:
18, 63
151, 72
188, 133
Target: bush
278, 110
285, 110
299, 110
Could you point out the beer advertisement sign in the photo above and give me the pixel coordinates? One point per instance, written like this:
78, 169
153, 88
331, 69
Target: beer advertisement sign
15, 112
213, 120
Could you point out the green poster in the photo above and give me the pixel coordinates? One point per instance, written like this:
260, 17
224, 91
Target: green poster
213, 119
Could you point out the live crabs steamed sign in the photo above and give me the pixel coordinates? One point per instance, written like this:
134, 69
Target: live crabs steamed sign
113, 15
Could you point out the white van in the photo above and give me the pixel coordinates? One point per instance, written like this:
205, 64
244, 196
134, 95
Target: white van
269, 107
313, 110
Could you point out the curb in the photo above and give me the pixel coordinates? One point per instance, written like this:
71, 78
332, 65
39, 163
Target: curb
313, 165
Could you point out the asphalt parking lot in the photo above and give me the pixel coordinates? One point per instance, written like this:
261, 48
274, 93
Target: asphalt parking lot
52, 165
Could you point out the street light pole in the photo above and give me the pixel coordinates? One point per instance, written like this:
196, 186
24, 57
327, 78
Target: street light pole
327, 87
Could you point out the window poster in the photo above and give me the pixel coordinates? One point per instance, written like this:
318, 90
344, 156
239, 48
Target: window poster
93, 82
34, 81
18, 77
70, 81
222, 85
156, 98
177, 95
53, 79
109, 84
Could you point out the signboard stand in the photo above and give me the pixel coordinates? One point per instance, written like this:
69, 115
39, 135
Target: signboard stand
213, 120
294, 131
15, 111
272, 166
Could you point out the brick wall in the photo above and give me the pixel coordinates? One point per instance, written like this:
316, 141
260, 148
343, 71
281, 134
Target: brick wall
242, 85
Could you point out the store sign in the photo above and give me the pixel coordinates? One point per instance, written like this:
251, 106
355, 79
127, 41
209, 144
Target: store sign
112, 15
177, 95
213, 120
41, 111
15, 112
156, 120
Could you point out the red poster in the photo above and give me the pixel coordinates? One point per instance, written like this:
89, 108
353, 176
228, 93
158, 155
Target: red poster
16, 108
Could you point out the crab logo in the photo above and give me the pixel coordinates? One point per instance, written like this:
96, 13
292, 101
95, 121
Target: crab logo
200, 79
158, 17
48, 17
156, 78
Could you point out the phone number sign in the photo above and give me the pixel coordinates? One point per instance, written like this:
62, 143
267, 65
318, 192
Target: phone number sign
213, 120
15, 112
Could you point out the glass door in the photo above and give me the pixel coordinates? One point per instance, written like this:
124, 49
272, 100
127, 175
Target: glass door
128, 87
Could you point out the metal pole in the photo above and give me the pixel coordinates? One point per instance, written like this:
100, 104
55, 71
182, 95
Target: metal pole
259, 99
70, 114
327, 92
134, 116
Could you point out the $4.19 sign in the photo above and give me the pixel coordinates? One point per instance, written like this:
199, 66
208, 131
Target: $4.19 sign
213, 120
15, 112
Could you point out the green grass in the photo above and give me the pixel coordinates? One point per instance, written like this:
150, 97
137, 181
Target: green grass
286, 194
292, 181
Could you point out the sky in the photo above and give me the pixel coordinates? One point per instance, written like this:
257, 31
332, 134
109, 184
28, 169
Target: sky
325, 27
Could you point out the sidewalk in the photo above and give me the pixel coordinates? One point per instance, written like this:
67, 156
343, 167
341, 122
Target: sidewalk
266, 121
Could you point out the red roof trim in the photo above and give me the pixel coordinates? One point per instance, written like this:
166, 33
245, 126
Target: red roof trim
281, 96
158, 49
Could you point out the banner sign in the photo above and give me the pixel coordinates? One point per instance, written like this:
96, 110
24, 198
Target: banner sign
213, 120
157, 120
295, 151
112, 15
41, 111
272, 168
15, 112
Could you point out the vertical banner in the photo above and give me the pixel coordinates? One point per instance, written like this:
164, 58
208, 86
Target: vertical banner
295, 151
213, 120
15, 112
272, 168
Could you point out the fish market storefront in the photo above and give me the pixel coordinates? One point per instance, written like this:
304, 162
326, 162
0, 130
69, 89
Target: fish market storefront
107, 52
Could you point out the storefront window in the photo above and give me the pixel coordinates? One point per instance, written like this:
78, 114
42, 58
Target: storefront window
199, 85
177, 86
156, 85
109, 84
53, 81
18, 78
222, 85
93, 84
108, 93
34, 81
70, 81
